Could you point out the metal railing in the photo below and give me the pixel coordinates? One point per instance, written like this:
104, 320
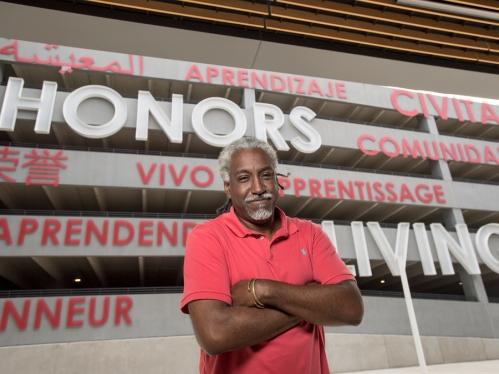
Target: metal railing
29, 212
179, 289
416, 295
89, 291
478, 181
206, 156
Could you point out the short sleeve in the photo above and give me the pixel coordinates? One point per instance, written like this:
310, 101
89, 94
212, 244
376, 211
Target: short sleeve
328, 267
206, 275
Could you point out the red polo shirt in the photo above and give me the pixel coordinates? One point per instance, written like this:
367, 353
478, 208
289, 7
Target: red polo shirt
222, 251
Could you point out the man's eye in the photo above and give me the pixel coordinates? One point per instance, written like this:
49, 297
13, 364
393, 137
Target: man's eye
243, 179
267, 175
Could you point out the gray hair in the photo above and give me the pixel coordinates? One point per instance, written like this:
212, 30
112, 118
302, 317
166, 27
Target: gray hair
246, 142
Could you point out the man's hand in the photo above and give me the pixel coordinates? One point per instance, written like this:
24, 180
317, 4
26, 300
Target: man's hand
326, 305
241, 296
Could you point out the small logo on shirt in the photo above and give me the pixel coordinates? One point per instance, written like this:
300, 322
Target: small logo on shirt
303, 252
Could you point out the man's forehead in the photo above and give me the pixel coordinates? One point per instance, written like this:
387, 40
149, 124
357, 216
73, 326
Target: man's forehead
243, 159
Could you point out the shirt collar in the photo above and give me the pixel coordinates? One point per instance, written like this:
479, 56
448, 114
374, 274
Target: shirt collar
232, 222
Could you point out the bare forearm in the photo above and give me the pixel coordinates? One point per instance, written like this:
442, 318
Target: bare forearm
238, 327
326, 305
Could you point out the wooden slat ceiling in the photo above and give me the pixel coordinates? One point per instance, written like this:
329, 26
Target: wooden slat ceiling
382, 24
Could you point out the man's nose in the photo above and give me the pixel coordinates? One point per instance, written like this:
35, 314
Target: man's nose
257, 187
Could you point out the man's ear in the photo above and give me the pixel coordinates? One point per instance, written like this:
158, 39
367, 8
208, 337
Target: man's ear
227, 189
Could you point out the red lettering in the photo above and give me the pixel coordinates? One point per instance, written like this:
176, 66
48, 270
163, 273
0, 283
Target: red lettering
242, 78
228, 76
50, 228
315, 186
469, 109
263, 82
186, 227
123, 306
177, 179
359, 185
105, 311
422, 101
146, 178
458, 109
284, 183
341, 90
92, 228
427, 197
451, 152
382, 142
196, 181
211, 72
290, 83
414, 151
361, 145
330, 187
70, 230
299, 185
392, 194
273, 82
143, 231
342, 188
5, 234
380, 194
331, 89
394, 98
437, 189
194, 73
10, 309
461, 152
469, 148
172, 237
300, 81
442, 111
314, 87
436, 155
128, 226
369, 191
28, 226
73, 310
405, 193
162, 174
53, 318
490, 156
488, 113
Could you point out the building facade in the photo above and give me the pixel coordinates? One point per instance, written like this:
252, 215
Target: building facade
109, 133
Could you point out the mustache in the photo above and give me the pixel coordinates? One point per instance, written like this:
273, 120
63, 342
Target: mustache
268, 196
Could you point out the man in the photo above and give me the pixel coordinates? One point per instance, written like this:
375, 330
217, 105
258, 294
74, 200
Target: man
259, 285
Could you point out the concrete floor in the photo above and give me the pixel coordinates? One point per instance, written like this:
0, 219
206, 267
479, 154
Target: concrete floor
489, 367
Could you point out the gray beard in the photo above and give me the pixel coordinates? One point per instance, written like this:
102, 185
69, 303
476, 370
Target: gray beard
262, 213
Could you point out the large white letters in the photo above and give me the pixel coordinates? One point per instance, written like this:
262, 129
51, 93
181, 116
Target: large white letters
146, 104
70, 111
482, 245
296, 117
385, 248
463, 251
359, 240
264, 125
13, 101
222, 104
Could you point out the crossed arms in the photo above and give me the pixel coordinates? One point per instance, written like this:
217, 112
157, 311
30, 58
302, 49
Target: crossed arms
221, 328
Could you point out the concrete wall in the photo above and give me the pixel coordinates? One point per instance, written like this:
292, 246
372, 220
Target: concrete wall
180, 355
159, 316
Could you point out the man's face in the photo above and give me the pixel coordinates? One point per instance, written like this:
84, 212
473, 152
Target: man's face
253, 186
